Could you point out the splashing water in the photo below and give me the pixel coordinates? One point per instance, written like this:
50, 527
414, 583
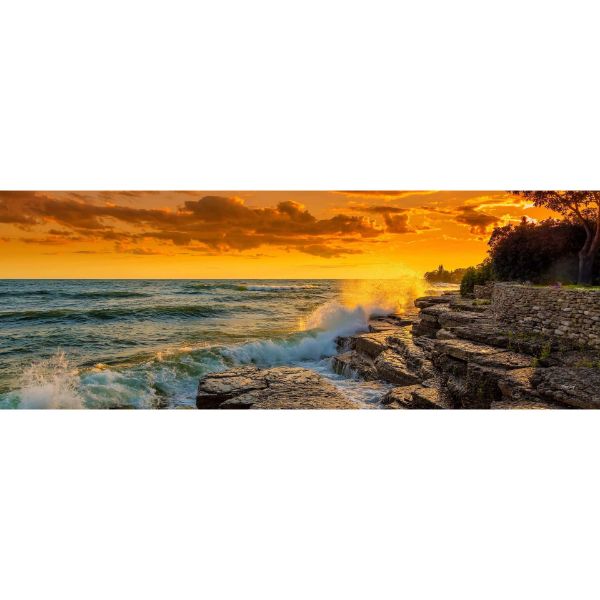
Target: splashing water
360, 301
51, 383
161, 349
380, 297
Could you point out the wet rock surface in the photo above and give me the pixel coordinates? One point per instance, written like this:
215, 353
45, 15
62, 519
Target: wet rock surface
274, 388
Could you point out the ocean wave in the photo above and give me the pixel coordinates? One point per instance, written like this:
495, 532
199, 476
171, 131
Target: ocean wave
251, 287
280, 288
108, 294
103, 314
24, 293
61, 294
217, 286
328, 322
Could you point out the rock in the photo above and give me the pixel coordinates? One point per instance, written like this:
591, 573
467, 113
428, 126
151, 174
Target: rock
400, 397
352, 364
426, 301
576, 387
428, 397
370, 344
392, 367
391, 322
417, 357
464, 350
216, 388
523, 404
516, 385
277, 387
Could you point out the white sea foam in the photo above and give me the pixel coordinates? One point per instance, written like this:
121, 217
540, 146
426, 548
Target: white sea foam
50, 383
325, 324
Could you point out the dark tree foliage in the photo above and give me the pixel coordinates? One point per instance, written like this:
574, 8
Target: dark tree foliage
542, 252
581, 207
441, 275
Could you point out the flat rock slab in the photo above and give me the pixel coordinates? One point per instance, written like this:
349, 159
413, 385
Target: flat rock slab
426, 301
465, 350
429, 397
275, 388
523, 404
576, 387
370, 344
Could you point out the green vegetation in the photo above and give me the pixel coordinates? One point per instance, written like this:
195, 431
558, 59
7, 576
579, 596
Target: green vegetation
478, 275
441, 275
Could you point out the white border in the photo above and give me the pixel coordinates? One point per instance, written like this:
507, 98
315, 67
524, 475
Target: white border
298, 95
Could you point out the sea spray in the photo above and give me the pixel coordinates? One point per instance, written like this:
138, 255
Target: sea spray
158, 353
50, 383
361, 300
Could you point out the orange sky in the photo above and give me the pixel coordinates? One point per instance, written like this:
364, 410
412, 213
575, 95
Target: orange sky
274, 234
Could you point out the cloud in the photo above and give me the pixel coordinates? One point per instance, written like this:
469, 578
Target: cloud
477, 221
397, 223
216, 223
394, 217
385, 194
377, 209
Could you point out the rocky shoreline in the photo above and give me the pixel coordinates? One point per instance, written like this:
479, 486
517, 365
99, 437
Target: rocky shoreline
448, 353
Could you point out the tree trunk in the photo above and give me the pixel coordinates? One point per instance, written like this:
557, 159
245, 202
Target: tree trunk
586, 265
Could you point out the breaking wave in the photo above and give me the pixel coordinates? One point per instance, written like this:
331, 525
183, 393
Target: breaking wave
50, 383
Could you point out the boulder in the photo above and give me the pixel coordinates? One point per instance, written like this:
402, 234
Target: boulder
274, 388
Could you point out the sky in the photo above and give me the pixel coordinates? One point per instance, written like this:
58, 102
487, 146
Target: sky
248, 234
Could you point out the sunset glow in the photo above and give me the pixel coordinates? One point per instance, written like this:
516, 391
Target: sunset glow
248, 234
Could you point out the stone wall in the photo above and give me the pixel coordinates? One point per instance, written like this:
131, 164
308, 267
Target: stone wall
483, 292
570, 317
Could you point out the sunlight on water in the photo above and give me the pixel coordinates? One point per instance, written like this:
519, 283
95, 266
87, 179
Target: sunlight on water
383, 296
170, 333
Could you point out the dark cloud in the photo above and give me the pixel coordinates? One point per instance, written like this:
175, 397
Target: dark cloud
394, 217
220, 224
478, 221
397, 223
379, 209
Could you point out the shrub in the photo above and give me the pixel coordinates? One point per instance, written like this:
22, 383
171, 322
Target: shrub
473, 276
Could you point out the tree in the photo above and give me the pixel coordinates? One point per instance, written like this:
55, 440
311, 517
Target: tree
582, 207
542, 252
441, 275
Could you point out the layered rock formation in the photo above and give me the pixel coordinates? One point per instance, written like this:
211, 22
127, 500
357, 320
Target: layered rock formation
451, 353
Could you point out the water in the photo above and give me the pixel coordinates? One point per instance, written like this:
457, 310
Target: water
146, 343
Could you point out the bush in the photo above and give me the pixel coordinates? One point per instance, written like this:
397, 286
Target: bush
441, 275
542, 252
478, 275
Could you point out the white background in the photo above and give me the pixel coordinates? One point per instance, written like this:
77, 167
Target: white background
299, 95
